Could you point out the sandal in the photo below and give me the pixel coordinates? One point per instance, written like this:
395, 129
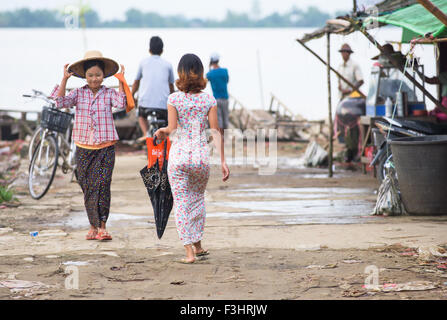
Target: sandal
103, 236
91, 235
203, 253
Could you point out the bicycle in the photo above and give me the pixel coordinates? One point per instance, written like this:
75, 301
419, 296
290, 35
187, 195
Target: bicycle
154, 123
35, 139
54, 142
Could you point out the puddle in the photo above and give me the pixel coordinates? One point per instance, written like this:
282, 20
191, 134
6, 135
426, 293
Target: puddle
282, 162
286, 205
78, 219
298, 205
300, 193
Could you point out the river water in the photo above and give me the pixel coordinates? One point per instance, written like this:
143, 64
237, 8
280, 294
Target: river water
260, 61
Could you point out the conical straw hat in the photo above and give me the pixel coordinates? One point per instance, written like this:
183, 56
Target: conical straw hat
110, 66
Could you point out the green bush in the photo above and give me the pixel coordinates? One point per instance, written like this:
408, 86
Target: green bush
5, 194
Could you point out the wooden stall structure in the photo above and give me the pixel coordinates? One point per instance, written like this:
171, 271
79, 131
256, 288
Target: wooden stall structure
422, 22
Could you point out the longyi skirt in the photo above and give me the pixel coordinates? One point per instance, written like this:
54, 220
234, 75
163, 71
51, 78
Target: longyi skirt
94, 174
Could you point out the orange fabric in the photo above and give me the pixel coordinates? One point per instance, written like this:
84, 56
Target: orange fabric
129, 97
96, 146
156, 152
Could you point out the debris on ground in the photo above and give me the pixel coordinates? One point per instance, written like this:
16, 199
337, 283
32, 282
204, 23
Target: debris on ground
408, 286
315, 155
25, 288
10, 157
430, 253
326, 266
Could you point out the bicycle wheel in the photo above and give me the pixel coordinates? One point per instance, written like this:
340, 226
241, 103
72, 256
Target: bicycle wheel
37, 135
43, 167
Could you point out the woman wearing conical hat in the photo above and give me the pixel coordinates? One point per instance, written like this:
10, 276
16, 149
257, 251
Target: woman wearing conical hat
94, 133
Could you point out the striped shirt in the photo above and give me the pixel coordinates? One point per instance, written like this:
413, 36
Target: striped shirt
93, 123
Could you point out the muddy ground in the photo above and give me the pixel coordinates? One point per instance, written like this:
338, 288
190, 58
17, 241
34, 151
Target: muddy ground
293, 235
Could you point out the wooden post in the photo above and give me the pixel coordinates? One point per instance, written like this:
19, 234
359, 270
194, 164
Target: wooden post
271, 103
22, 131
329, 103
354, 7
434, 10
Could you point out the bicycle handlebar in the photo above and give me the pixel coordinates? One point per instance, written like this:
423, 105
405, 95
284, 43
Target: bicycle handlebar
39, 95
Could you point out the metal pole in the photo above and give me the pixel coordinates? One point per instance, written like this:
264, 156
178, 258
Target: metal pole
335, 71
329, 103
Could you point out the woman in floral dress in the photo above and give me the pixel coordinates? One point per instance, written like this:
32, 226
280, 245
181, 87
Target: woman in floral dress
189, 110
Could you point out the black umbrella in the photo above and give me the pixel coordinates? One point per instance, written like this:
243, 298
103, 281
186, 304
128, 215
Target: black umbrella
159, 190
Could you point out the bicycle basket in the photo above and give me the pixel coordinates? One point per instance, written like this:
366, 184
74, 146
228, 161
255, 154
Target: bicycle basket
55, 120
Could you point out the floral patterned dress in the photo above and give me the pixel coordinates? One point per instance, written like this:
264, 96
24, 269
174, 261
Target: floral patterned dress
188, 166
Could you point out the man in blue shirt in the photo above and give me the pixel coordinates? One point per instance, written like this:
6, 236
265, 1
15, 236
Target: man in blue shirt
219, 78
157, 82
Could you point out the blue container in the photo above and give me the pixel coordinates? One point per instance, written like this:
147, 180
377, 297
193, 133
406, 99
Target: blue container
379, 110
375, 111
415, 106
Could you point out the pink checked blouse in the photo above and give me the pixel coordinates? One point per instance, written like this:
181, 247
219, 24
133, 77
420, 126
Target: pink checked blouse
93, 122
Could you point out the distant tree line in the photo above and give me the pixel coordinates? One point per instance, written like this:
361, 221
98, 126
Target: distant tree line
134, 18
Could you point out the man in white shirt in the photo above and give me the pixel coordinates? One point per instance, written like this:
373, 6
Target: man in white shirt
157, 82
350, 70
346, 126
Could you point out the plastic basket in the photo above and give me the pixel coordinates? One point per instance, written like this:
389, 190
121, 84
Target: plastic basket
55, 120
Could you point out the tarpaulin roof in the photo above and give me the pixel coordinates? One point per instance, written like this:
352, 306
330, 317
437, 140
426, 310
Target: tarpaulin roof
337, 26
415, 20
388, 6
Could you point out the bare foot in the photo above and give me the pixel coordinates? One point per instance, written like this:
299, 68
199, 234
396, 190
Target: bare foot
198, 250
190, 256
187, 260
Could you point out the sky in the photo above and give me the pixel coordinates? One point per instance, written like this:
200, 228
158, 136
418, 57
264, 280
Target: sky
115, 9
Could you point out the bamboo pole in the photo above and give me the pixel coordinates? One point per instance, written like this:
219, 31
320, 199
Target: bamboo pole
335, 71
434, 10
328, 35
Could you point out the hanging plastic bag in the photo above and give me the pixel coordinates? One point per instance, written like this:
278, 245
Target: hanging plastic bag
155, 152
388, 198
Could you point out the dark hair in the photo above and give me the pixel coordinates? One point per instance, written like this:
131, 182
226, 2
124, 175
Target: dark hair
190, 72
213, 62
156, 45
91, 63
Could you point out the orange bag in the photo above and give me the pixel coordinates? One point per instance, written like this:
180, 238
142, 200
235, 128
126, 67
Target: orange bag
155, 153
129, 97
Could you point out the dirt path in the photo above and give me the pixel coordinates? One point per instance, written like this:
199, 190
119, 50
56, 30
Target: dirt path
291, 235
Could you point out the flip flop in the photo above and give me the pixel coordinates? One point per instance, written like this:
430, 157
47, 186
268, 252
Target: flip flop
103, 236
91, 235
203, 253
